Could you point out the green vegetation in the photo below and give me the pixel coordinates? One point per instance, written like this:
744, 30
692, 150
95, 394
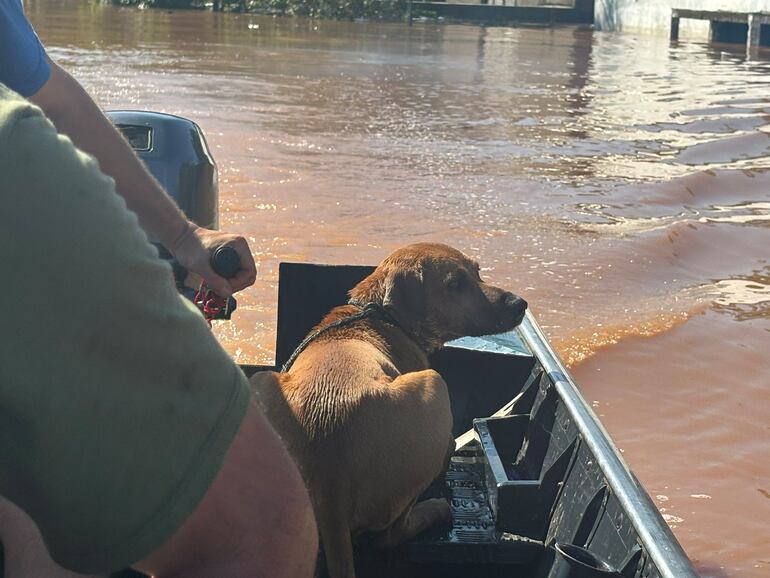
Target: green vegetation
340, 9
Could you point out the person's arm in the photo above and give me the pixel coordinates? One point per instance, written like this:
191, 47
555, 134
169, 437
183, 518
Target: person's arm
256, 518
75, 114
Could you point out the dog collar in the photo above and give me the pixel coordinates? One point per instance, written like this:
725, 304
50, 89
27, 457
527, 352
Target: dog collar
377, 310
380, 311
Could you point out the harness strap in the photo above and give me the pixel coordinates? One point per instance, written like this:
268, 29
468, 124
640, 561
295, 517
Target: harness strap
367, 310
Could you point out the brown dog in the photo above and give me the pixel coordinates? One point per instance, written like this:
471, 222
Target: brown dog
368, 422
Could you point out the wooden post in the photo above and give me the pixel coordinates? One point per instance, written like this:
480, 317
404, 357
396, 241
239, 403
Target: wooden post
674, 26
752, 38
409, 15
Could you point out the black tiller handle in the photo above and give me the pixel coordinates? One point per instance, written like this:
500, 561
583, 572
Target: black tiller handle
225, 262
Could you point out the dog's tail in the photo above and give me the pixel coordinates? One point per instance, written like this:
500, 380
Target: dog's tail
332, 520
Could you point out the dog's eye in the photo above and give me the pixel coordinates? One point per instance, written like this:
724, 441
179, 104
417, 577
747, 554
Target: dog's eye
454, 282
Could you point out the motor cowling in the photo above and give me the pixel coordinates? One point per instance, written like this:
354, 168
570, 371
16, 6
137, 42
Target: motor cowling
175, 152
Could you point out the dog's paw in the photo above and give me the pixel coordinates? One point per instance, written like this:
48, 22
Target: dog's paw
440, 509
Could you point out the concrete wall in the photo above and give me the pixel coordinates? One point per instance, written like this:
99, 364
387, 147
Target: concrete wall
654, 16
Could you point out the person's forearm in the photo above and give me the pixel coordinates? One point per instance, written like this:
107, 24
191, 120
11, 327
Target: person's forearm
75, 114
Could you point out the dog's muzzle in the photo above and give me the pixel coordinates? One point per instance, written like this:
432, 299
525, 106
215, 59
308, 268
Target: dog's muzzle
513, 303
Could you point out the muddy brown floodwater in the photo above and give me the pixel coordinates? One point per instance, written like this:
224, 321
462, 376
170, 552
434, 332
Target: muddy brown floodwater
622, 185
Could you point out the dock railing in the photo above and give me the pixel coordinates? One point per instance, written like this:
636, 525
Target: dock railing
754, 21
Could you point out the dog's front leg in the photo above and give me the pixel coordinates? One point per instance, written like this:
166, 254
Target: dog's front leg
414, 521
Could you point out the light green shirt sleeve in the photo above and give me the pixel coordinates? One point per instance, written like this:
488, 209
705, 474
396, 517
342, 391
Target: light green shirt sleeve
117, 404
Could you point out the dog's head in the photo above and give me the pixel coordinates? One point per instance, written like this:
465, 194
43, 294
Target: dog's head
436, 293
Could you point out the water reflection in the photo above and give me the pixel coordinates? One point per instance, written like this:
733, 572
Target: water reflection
746, 297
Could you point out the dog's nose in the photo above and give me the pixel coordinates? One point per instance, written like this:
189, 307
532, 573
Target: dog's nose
514, 302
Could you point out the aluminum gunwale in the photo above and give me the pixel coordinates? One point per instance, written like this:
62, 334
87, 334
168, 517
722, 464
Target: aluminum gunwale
654, 534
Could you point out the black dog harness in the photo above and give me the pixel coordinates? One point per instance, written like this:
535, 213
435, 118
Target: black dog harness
374, 310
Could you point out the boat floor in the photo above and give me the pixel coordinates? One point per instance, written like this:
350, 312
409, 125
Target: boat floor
472, 544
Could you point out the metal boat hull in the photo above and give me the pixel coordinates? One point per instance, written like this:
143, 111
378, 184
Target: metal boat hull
533, 466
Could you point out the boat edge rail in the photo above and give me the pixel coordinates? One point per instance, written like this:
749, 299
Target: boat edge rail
655, 535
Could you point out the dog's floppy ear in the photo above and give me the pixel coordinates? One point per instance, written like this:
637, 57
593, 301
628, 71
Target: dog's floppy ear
404, 298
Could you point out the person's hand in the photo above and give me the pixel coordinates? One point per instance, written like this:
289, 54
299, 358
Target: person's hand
193, 251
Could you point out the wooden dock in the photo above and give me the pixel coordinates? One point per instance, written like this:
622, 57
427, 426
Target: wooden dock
724, 20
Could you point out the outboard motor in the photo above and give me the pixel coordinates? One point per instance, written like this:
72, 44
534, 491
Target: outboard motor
175, 152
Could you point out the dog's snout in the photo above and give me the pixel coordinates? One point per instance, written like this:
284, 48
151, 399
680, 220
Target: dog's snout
514, 302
